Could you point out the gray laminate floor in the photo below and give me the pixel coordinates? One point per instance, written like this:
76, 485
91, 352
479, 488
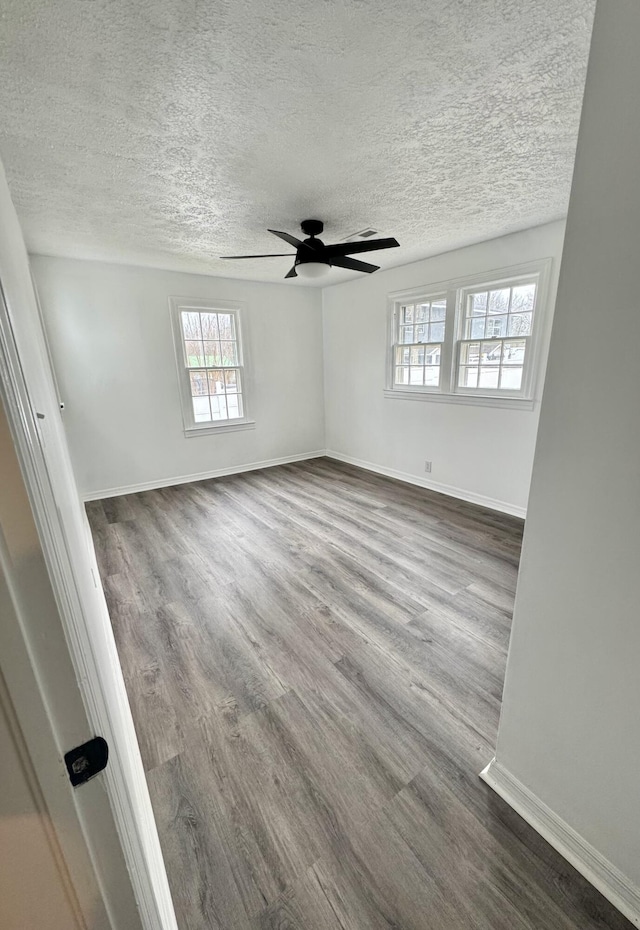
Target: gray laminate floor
314, 657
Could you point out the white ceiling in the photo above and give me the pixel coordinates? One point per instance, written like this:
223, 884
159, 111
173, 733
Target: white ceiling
168, 132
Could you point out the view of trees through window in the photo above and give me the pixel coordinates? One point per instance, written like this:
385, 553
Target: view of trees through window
212, 357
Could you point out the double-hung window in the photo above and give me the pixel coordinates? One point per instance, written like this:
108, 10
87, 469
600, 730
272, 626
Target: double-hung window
418, 351
211, 369
476, 338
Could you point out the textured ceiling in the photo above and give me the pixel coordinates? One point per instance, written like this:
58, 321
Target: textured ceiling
168, 132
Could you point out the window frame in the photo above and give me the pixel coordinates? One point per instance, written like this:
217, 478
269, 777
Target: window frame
455, 292
179, 305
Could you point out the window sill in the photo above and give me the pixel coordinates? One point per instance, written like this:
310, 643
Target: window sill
472, 400
208, 429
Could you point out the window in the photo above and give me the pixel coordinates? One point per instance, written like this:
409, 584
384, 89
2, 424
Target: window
473, 339
211, 372
421, 334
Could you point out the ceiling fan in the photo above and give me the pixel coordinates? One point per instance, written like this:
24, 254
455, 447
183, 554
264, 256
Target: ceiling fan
313, 258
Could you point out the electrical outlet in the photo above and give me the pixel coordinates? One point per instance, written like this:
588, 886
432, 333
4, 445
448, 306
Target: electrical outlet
427, 467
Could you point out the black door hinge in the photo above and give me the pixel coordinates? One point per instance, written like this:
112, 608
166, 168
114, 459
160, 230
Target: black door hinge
87, 760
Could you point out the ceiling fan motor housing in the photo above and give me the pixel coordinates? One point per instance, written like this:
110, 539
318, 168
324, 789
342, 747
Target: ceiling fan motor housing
312, 227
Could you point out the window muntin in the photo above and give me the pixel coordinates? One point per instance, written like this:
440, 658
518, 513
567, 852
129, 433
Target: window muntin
420, 331
490, 344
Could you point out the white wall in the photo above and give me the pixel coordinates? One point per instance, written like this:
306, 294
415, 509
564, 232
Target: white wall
482, 453
110, 335
570, 723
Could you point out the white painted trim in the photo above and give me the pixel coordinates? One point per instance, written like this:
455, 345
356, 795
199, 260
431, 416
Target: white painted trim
460, 493
200, 476
471, 400
601, 873
224, 426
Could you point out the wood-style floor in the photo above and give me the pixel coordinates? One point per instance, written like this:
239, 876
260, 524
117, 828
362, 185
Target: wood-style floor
314, 657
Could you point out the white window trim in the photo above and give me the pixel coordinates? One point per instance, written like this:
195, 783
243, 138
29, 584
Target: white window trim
176, 306
454, 291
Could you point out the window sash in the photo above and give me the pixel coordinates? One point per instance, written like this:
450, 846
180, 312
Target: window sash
210, 404
506, 369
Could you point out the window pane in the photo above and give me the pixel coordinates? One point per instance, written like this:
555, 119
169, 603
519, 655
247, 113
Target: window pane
195, 354
436, 332
218, 407
488, 377
212, 353
478, 303
402, 375
216, 381
201, 409
402, 356
229, 353
422, 313
406, 334
468, 377
432, 354
499, 300
523, 298
438, 310
519, 324
511, 378
234, 406
231, 381
477, 328
226, 326
191, 326
416, 376
432, 376
491, 352
417, 355
199, 386
407, 314
209, 323
422, 332
470, 353
513, 352
496, 326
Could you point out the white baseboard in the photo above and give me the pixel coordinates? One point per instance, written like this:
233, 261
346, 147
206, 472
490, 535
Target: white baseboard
450, 491
604, 876
200, 476
489, 502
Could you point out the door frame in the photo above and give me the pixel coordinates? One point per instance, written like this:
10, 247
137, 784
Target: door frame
66, 543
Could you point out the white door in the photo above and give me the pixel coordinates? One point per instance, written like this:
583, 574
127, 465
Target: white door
34, 889
63, 628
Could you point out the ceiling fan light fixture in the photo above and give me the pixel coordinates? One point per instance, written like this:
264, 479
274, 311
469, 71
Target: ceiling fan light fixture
312, 269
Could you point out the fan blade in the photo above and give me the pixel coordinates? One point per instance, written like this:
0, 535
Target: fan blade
293, 273
273, 255
351, 248
287, 238
353, 264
